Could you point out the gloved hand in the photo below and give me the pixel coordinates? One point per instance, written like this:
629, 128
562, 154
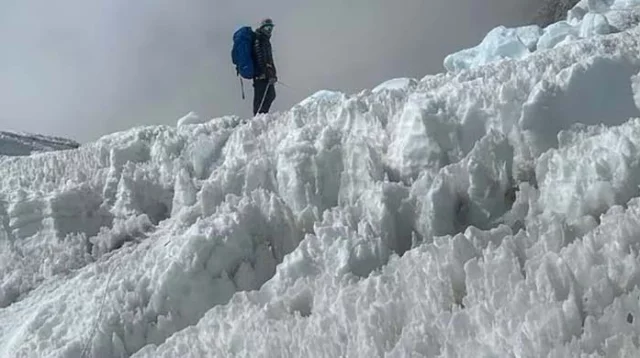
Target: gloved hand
271, 74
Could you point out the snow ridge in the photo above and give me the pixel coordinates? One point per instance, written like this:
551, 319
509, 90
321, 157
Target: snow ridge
586, 19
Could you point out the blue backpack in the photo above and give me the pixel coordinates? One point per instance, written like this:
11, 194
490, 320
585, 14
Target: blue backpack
242, 52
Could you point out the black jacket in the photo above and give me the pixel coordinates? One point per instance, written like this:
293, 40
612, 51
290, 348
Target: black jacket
263, 56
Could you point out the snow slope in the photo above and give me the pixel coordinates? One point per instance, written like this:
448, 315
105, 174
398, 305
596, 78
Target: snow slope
588, 18
12, 143
491, 211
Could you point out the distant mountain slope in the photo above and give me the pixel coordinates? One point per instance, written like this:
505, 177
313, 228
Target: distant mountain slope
12, 143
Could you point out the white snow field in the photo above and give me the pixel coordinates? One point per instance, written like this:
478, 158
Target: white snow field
492, 211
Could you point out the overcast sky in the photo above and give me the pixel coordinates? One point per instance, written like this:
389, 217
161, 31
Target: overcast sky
82, 69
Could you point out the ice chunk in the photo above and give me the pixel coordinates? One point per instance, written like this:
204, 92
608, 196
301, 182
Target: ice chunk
322, 96
594, 24
556, 33
499, 43
396, 84
577, 95
190, 118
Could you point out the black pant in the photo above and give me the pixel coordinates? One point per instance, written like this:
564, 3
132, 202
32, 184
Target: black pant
262, 89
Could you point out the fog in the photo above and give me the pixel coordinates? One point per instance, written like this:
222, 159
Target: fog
82, 69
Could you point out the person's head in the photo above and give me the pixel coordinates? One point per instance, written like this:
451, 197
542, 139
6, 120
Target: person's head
266, 26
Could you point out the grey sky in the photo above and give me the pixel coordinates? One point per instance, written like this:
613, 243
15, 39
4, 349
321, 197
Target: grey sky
82, 69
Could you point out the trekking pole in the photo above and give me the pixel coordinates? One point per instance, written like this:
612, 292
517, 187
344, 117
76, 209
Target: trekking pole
242, 87
264, 96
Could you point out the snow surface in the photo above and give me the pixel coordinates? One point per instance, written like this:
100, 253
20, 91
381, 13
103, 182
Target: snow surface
491, 211
588, 18
15, 143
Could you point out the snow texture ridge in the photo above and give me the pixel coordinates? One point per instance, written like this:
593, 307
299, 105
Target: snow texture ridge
489, 211
588, 18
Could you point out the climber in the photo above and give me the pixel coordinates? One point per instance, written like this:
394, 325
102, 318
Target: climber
265, 71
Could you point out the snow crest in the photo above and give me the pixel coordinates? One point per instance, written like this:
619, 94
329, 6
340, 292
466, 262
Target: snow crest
491, 211
587, 19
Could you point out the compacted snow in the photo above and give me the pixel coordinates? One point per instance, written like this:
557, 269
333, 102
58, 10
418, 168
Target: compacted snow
490, 211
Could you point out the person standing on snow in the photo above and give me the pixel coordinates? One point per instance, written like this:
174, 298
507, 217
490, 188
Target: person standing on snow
265, 76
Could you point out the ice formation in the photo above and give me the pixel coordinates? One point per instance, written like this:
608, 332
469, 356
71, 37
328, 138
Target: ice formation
488, 211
